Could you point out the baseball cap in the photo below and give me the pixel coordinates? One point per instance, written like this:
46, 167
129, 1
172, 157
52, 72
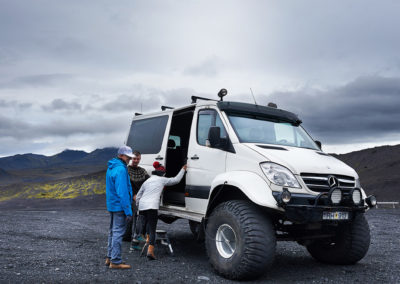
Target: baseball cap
126, 150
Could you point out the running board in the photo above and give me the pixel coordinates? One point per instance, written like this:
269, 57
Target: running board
180, 212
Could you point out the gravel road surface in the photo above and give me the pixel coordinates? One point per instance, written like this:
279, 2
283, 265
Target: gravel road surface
43, 246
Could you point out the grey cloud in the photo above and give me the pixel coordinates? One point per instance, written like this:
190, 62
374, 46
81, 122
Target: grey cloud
14, 104
20, 130
4, 103
24, 137
130, 103
208, 67
60, 104
95, 125
25, 105
7, 56
37, 80
12, 128
364, 110
149, 100
167, 46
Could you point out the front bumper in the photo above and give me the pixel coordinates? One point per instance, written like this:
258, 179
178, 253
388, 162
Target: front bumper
306, 208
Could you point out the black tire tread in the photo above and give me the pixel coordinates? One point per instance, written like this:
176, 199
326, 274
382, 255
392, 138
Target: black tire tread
354, 244
259, 236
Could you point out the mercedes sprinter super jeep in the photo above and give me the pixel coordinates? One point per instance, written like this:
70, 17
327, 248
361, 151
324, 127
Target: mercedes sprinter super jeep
254, 177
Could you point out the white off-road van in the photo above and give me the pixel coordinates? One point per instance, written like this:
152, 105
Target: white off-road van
254, 177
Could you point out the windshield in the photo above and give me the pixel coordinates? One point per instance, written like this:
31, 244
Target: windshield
260, 130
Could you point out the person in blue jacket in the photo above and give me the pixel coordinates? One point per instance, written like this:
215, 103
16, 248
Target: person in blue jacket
119, 200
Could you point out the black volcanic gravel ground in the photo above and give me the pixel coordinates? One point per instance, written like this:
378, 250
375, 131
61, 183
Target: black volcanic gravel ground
70, 245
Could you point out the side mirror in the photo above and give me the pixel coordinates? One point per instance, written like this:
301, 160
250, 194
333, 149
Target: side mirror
319, 144
214, 136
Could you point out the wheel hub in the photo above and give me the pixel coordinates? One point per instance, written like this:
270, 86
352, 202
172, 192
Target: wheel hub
225, 240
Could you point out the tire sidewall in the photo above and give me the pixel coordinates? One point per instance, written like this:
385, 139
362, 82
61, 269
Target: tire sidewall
345, 249
217, 219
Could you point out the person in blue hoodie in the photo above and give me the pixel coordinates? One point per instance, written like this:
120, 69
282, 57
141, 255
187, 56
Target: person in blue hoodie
119, 200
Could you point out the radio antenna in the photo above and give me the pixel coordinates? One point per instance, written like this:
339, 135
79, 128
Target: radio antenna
253, 96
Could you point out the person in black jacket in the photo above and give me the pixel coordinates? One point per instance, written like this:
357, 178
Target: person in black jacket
138, 176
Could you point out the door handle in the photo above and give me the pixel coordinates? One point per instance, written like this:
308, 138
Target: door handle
195, 157
159, 157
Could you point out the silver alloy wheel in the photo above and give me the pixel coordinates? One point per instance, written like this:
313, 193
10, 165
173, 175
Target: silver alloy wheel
225, 241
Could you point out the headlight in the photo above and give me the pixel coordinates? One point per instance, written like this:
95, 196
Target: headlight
336, 196
279, 175
356, 196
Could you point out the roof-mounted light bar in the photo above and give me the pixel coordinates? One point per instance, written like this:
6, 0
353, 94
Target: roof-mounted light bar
195, 98
222, 93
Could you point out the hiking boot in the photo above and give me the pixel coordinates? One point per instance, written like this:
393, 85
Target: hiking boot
119, 266
134, 248
108, 261
140, 239
150, 253
135, 245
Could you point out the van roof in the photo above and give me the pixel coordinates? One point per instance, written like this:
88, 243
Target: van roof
258, 110
238, 108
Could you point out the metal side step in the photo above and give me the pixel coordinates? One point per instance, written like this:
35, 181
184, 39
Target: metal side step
180, 212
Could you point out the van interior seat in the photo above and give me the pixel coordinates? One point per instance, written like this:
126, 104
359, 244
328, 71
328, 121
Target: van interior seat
173, 158
174, 194
171, 143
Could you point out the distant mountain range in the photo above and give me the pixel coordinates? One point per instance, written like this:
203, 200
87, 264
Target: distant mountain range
40, 168
28, 175
66, 157
379, 170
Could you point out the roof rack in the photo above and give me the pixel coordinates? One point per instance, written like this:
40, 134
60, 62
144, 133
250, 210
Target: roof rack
166, 107
195, 98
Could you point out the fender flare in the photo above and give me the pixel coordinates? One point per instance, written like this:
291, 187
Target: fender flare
251, 184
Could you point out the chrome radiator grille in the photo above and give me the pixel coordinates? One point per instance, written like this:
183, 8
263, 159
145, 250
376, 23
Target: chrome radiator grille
319, 182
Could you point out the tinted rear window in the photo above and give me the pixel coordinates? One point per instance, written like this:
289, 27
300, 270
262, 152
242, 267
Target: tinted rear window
146, 135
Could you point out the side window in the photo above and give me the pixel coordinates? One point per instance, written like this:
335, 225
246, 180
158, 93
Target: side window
206, 119
146, 135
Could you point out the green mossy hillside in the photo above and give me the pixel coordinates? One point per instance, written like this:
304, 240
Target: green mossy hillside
67, 188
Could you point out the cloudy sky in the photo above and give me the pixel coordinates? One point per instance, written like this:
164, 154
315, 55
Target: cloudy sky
73, 73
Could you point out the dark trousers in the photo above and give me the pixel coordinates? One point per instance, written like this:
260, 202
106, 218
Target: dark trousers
151, 218
134, 220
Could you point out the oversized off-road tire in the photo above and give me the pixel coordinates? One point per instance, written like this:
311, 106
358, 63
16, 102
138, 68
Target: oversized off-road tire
348, 247
240, 240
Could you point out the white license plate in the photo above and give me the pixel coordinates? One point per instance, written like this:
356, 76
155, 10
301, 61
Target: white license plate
335, 215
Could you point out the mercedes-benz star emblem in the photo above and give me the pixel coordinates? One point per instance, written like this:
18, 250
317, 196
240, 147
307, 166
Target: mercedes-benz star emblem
333, 181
